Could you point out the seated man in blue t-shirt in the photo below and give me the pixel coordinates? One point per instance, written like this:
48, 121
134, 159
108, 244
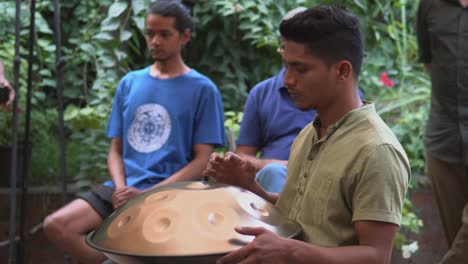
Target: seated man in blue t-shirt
165, 122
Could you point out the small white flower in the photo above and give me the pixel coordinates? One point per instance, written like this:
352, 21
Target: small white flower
414, 246
408, 250
405, 252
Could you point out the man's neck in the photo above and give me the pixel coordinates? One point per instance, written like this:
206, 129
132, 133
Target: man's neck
330, 114
168, 69
463, 3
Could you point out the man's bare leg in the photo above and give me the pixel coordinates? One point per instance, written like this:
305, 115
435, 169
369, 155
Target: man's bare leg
67, 229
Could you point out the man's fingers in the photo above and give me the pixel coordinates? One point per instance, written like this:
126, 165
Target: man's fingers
209, 172
250, 231
235, 256
234, 158
214, 156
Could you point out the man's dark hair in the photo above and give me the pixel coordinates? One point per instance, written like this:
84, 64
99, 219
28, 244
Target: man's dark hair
329, 33
175, 9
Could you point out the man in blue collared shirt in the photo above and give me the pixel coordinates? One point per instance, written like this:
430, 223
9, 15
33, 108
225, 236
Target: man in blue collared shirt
270, 124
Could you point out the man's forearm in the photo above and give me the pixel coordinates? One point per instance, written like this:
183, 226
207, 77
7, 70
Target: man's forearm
116, 170
260, 163
302, 252
2, 72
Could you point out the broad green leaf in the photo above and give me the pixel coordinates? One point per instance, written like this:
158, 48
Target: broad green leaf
39, 95
110, 24
104, 36
138, 6
140, 23
120, 55
70, 113
86, 111
48, 82
125, 35
45, 72
117, 8
360, 5
262, 8
108, 61
88, 48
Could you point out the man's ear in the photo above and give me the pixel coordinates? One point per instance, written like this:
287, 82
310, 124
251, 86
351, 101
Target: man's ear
185, 36
344, 70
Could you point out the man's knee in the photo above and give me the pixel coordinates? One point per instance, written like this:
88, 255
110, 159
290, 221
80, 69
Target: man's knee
54, 226
272, 170
272, 177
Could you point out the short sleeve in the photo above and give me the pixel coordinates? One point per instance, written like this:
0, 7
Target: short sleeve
422, 33
250, 130
209, 118
380, 186
115, 124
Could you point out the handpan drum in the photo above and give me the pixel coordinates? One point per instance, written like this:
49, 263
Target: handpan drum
186, 222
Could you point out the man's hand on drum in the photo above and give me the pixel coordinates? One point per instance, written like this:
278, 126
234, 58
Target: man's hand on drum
267, 247
121, 195
231, 169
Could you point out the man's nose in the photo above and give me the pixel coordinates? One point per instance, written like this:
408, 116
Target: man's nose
156, 40
289, 79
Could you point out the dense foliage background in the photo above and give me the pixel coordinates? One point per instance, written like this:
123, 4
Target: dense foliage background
234, 44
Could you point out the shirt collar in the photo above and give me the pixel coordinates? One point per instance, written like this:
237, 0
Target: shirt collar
353, 114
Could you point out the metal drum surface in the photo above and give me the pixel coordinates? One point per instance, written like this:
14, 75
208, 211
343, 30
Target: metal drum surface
186, 222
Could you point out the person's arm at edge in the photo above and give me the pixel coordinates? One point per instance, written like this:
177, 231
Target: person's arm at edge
2, 73
250, 152
4, 82
375, 246
115, 163
193, 170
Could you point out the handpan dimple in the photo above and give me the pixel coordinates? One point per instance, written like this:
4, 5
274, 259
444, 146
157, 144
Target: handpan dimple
161, 226
160, 198
123, 222
257, 208
197, 186
216, 221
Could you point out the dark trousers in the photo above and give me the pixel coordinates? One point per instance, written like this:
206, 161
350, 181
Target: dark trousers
450, 186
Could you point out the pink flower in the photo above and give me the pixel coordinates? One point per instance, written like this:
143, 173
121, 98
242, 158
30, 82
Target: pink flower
385, 80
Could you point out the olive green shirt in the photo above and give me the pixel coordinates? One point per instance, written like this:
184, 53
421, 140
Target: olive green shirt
442, 31
357, 171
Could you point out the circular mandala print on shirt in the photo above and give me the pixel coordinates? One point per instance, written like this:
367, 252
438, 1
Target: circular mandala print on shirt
150, 129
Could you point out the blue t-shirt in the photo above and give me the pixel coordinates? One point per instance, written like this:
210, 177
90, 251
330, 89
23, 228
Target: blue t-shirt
160, 120
271, 120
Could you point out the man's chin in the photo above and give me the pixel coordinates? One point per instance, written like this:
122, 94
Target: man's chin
304, 107
160, 59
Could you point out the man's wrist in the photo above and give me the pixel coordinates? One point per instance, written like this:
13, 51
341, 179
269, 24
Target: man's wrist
258, 163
